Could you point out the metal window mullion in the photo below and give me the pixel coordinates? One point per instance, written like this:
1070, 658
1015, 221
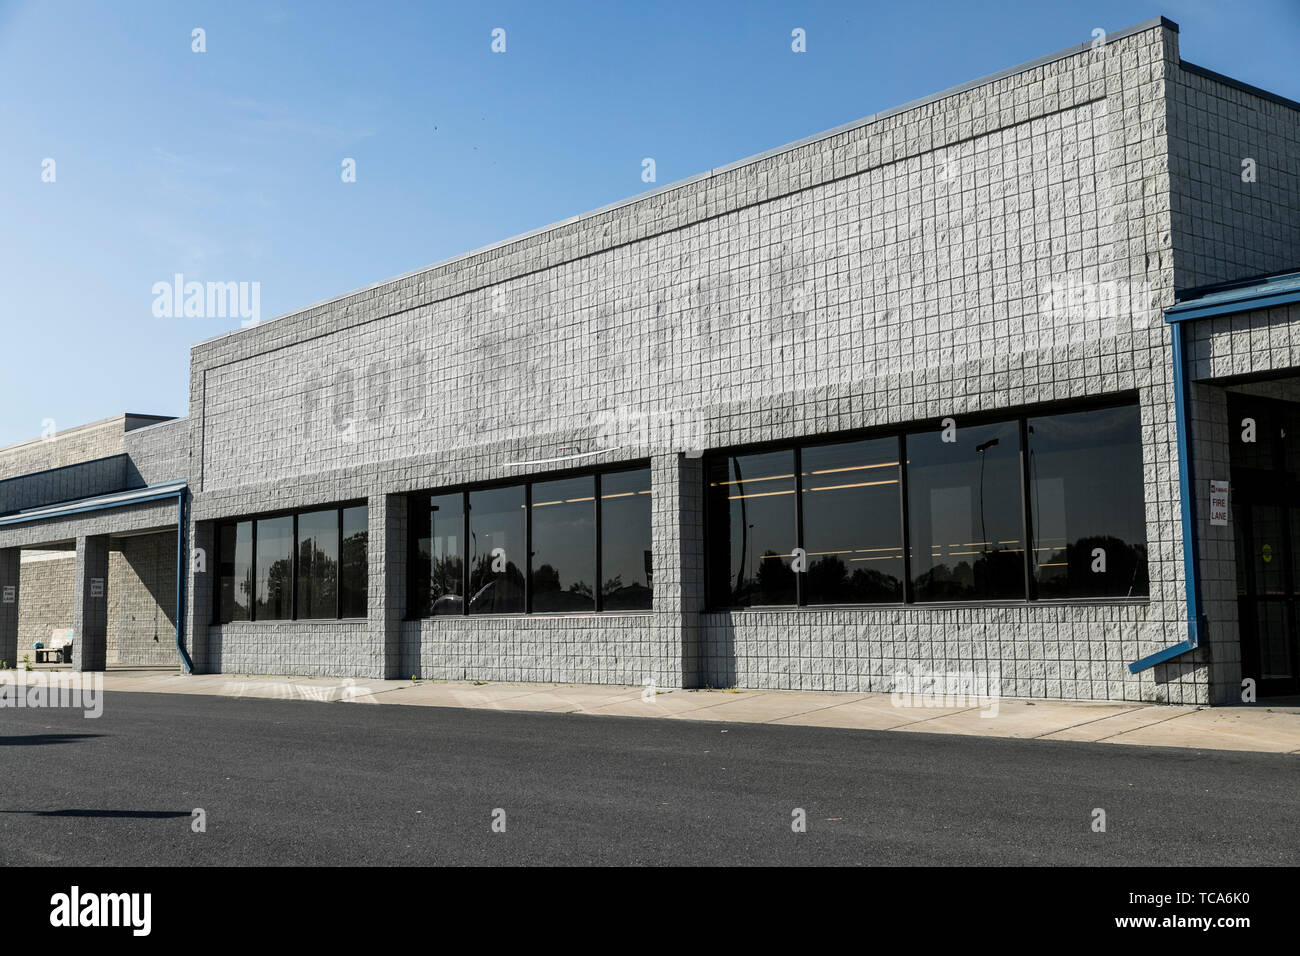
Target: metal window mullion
800, 583
338, 569
904, 519
464, 550
1026, 507
528, 547
293, 576
252, 598
598, 599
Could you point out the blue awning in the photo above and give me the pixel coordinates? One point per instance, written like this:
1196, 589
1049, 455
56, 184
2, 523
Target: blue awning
1259, 293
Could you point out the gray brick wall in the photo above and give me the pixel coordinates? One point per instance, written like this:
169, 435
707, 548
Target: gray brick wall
1226, 228
160, 452
140, 594
66, 483
46, 597
101, 439
142, 601
937, 261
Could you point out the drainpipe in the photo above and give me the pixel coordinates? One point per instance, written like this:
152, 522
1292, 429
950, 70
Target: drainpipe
180, 581
1191, 574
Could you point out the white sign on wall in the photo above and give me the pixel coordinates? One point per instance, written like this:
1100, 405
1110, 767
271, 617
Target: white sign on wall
9, 594
96, 587
1218, 502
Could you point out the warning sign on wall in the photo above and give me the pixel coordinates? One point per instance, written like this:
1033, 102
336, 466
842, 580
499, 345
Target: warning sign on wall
96, 587
10, 593
1218, 502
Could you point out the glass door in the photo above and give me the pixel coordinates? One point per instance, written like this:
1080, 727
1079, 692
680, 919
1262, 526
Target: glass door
1265, 491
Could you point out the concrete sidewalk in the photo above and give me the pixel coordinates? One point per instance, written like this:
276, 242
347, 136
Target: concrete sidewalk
1261, 727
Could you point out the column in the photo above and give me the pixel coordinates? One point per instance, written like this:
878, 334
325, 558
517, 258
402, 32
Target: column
10, 569
90, 604
200, 592
679, 569
386, 600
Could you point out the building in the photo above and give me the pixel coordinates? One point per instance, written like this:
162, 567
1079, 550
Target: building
989, 382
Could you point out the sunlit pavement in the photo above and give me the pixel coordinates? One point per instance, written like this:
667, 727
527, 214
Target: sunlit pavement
1265, 727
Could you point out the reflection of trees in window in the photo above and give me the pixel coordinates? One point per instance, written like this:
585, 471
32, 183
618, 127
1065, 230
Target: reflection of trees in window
245, 605
1086, 496
317, 581
445, 577
276, 602
994, 574
548, 595
775, 577
752, 508
355, 564
829, 578
966, 515
1069, 572
495, 592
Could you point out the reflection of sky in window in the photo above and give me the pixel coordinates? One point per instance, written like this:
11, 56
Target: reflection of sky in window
1084, 468
850, 501
965, 495
564, 529
760, 490
625, 502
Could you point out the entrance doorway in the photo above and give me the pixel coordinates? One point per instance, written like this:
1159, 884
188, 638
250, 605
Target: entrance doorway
1265, 496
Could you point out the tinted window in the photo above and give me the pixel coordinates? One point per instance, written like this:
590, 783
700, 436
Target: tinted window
752, 528
851, 527
1087, 511
447, 554
354, 577
966, 516
419, 556
274, 569
235, 547
496, 542
625, 544
564, 545
318, 564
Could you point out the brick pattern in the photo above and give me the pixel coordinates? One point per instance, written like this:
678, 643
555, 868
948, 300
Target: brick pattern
1248, 343
72, 446
1226, 227
1051, 651
90, 604
160, 452
46, 597
302, 648
1001, 247
142, 601
68, 483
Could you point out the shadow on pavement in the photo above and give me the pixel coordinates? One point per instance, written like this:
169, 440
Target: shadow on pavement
121, 814
38, 740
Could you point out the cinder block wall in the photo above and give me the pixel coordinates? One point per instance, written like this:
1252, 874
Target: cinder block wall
44, 597
893, 273
142, 601
160, 452
83, 443
1227, 226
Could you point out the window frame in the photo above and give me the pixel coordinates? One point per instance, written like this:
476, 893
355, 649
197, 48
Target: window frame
1018, 416
253, 519
527, 482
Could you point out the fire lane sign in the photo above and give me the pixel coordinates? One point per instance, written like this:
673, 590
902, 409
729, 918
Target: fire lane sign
1218, 502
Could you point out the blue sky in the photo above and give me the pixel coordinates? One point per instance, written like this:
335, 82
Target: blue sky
225, 165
